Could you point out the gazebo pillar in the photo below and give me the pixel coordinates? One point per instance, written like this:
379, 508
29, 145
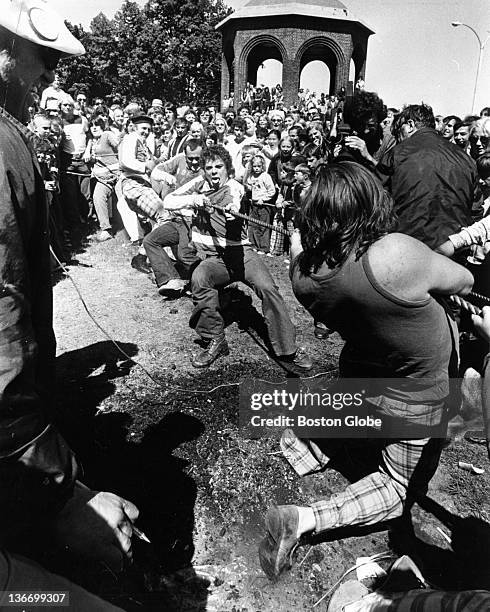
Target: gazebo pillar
225, 79
290, 81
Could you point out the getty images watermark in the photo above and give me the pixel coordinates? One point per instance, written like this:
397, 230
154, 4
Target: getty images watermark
349, 408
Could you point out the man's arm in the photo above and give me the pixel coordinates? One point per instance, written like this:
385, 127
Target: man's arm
166, 171
186, 196
410, 270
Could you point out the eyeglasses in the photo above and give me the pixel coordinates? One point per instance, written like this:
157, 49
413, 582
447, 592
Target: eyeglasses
484, 140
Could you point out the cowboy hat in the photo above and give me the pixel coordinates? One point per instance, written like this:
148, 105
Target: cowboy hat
36, 21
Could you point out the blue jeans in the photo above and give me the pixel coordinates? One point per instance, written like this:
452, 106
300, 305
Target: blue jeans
239, 264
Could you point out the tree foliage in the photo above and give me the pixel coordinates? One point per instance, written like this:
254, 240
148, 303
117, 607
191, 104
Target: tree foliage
167, 49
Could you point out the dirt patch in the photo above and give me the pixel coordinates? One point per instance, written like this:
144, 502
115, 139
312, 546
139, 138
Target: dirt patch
178, 452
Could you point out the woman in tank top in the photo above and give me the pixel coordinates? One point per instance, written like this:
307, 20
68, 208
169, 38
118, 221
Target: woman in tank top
382, 292
379, 289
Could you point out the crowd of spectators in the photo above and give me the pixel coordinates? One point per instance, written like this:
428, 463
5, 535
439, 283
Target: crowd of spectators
78, 145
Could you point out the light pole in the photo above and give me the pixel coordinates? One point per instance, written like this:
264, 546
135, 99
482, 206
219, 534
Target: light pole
481, 45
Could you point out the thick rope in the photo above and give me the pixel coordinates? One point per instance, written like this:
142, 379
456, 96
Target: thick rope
465, 305
276, 228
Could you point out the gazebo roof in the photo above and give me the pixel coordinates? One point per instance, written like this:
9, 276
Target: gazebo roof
323, 9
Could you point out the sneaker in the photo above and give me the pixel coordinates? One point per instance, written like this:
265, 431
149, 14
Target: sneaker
300, 359
216, 348
131, 244
404, 575
103, 236
139, 263
174, 284
277, 548
349, 592
260, 252
269, 255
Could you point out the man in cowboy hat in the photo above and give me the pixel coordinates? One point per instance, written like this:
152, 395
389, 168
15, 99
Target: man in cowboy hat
39, 490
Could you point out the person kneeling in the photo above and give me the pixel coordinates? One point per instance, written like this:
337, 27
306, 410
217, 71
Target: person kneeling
227, 256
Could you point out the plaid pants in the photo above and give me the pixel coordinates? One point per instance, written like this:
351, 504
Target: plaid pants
142, 199
277, 239
379, 496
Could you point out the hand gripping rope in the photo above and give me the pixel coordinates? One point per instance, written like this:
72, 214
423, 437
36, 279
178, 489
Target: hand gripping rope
276, 228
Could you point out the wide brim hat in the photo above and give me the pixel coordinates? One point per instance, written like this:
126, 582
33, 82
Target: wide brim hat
36, 21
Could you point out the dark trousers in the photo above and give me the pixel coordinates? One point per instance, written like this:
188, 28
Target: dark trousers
259, 236
75, 193
239, 264
171, 234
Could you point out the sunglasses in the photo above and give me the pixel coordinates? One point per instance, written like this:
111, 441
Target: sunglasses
484, 140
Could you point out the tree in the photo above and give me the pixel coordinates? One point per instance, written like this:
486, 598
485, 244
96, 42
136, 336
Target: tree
167, 49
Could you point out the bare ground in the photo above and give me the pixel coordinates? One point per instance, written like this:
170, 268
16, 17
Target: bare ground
201, 487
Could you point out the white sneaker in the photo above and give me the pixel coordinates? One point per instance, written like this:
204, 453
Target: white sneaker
174, 284
103, 236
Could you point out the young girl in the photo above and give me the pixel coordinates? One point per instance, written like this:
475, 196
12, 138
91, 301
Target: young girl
284, 210
260, 183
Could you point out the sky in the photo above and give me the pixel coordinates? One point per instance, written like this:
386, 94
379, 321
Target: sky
415, 54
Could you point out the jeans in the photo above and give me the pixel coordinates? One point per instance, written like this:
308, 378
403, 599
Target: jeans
260, 237
239, 264
75, 193
171, 234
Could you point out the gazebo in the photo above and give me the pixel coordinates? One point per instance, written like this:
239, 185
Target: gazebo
295, 32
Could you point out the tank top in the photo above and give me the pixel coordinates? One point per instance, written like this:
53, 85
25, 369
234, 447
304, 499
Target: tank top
385, 336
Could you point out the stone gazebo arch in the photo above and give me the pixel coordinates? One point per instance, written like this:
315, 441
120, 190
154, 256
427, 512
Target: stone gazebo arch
257, 50
297, 30
328, 51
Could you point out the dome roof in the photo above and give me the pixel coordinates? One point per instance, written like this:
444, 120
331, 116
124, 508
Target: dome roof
324, 9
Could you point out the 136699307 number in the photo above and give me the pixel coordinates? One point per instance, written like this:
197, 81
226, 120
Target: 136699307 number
35, 598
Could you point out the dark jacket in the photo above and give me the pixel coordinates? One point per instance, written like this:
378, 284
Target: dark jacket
434, 185
37, 468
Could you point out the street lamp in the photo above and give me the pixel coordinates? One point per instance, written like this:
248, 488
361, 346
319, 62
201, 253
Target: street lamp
455, 24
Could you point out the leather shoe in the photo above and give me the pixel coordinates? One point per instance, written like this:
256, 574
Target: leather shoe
300, 359
139, 263
321, 331
277, 548
216, 348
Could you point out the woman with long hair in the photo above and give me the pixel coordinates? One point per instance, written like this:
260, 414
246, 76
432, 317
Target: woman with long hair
378, 289
101, 151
